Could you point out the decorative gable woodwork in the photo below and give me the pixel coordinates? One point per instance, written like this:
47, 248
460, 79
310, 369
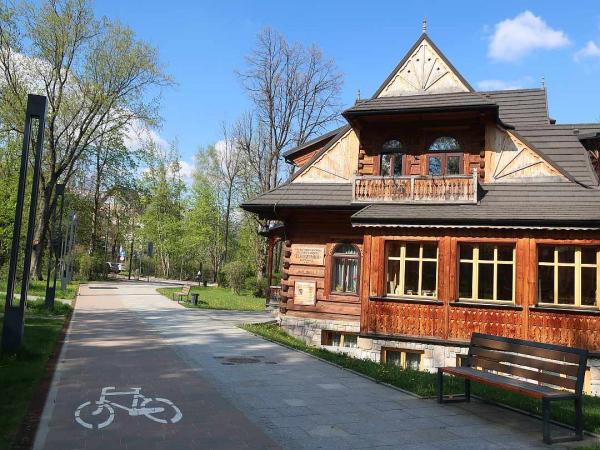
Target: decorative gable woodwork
510, 159
336, 165
424, 71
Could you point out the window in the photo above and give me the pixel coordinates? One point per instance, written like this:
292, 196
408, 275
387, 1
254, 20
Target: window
411, 269
339, 339
391, 158
462, 360
568, 275
486, 272
445, 144
403, 358
441, 161
345, 269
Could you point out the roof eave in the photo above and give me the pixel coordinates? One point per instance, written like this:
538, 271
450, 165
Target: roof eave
477, 222
348, 114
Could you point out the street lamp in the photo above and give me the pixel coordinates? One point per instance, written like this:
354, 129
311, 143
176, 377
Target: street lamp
55, 240
14, 312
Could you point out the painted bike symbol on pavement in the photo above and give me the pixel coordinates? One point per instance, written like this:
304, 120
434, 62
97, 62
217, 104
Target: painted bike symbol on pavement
101, 413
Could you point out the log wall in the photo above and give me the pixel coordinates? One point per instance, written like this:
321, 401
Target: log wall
416, 138
444, 318
325, 231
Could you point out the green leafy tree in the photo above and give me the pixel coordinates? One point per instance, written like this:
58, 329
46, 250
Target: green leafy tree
204, 221
98, 77
163, 207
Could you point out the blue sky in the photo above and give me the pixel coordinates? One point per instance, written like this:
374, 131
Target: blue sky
501, 44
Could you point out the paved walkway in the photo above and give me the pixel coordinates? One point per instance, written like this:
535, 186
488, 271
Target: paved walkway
235, 390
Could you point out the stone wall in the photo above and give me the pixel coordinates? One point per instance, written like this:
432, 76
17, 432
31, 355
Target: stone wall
309, 331
434, 355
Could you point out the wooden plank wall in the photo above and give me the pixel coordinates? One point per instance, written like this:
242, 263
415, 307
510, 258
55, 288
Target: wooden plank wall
448, 319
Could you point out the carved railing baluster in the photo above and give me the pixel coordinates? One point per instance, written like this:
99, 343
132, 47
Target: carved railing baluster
416, 189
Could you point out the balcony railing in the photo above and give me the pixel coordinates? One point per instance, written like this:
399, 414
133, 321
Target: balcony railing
416, 189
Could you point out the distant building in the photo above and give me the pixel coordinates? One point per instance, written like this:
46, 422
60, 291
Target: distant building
439, 211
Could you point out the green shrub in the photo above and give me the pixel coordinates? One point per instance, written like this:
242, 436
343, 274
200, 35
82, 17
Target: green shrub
91, 267
222, 279
262, 288
250, 283
207, 276
259, 288
235, 275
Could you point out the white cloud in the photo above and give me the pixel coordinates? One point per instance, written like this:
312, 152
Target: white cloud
187, 171
498, 85
515, 38
590, 51
137, 134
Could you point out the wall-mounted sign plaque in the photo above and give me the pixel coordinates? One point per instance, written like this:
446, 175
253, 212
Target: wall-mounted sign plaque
307, 254
305, 293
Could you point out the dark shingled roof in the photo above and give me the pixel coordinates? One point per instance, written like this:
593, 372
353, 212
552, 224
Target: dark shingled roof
521, 107
330, 134
562, 148
582, 130
313, 195
560, 204
423, 102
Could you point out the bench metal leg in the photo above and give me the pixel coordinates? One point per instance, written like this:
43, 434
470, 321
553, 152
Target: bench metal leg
546, 417
440, 385
546, 420
466, 397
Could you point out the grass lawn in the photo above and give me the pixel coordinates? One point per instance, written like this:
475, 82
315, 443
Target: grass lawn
219, 298
37, 288
424, 383
21, 372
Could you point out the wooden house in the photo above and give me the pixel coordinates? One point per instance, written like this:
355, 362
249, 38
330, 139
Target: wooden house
438, 211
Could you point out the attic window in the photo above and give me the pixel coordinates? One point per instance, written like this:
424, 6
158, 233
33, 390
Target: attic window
445, 157
445, 144
391, 158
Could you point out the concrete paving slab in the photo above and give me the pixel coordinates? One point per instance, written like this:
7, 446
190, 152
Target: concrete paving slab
236, 390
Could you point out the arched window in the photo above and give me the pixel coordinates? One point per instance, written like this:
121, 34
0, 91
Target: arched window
444, 157
445, 144
345, 269
391, 158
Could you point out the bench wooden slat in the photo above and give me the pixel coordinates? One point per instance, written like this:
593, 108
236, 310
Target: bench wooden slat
521, 347
542, 377
522, 360
516, 365
508, 383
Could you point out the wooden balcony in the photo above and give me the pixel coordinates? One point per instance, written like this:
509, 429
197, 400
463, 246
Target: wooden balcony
415, 189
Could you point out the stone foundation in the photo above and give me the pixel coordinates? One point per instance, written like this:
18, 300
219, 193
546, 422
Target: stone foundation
434, 355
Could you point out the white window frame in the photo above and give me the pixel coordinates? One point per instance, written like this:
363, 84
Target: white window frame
578, 265
476, 261
403, 258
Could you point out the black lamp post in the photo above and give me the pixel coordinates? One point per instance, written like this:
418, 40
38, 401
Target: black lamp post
14, 311
55, 240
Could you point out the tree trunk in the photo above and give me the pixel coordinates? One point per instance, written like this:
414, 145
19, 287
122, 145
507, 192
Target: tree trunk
227, 213
96, 212
41, 230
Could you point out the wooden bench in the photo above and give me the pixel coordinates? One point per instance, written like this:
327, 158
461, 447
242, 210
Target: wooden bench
184, 292
542, 371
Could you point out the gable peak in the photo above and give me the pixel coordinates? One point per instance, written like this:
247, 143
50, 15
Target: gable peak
423, 70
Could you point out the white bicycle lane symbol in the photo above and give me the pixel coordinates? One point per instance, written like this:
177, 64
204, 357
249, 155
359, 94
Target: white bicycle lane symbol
101, 413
